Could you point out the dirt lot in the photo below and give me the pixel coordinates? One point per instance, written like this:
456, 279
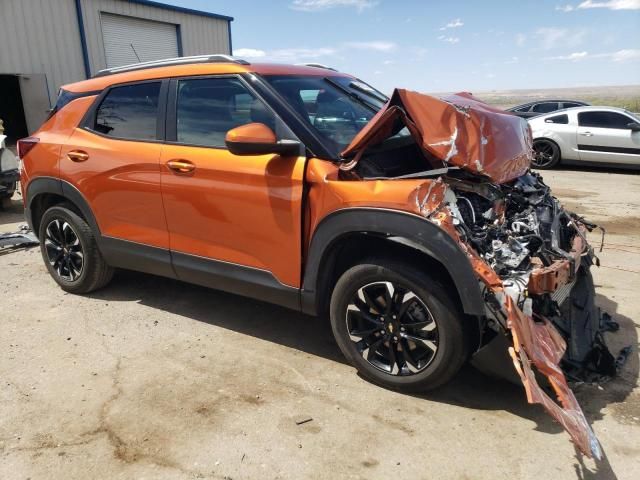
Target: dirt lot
152, 378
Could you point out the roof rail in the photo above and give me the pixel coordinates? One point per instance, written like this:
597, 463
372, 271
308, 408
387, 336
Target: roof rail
317, 65
217, 58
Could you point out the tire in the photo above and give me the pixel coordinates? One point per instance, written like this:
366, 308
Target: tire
426, 317
546, 154
70, 251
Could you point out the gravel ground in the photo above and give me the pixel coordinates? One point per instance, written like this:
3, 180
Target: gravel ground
153, 378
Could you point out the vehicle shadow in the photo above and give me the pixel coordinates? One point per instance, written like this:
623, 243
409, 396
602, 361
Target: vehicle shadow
469, 389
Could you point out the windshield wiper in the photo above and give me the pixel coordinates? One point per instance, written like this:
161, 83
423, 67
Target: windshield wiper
353, 95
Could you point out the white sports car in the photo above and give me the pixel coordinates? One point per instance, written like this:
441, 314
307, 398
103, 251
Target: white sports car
586, 134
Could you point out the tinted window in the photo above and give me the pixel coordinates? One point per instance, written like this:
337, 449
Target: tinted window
570, 105
562, 119
603, 120
523, 109
545, 107
130, 111
208, 108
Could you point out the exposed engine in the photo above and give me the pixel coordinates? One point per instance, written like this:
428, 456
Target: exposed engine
523, 233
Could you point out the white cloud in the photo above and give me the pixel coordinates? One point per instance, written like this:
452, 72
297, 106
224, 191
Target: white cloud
451, 40
512, 61
521, 39
574, 57
249, 53
612, 5
298, 54
490, 75
388, 62
378, 46
626, 55
453, 24
318, 5
550, 38
620, 56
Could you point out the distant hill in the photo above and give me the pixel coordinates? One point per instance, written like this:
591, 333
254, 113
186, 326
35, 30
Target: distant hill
624, 96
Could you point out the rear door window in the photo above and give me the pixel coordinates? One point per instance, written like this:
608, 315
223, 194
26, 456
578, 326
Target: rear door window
603, 120
129, 112
208, 108
546, 107
561, 119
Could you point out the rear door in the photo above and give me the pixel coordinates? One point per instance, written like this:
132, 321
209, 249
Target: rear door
604, 136
113, 158
229, 216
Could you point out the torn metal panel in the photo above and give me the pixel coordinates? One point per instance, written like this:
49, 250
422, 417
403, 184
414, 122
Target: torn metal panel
15, 240
457, 130
536, 343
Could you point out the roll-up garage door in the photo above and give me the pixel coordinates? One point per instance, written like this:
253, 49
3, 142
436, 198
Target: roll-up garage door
131, 40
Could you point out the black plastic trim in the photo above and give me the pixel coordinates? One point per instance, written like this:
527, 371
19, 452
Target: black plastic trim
136, 256
233, 278
607, 149
417, 233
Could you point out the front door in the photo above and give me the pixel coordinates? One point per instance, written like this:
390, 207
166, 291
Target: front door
604, 136
239, 214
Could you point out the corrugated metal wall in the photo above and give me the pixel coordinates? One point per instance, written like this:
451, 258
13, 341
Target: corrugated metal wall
42, 36
200, 34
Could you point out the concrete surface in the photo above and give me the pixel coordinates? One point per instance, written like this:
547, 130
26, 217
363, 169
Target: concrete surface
152, 378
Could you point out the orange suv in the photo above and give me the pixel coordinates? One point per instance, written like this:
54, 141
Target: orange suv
413, 222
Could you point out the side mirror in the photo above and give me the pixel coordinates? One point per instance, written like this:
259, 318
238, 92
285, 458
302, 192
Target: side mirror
258, 139
633, 126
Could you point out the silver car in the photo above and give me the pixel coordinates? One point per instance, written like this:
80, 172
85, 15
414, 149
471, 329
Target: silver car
586, 134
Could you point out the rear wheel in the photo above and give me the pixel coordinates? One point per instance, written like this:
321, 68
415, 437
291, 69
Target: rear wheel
546, 154
397, 326
71, 253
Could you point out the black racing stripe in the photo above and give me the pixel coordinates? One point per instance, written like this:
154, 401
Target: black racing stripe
599, 148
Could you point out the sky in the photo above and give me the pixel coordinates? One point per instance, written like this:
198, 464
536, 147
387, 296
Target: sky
444, 46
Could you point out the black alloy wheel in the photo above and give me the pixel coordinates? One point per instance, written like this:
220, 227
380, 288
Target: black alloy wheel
392, 328
546, 154
64, 250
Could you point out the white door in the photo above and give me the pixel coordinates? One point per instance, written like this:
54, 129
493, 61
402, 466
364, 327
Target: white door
130, 40
35, 99
605, 136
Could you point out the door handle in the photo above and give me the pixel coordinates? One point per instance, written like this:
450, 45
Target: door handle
78, 156
586, 134
181, 166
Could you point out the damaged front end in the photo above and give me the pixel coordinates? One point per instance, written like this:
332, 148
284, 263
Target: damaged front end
530, 255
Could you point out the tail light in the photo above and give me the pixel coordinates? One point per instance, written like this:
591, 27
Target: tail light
25, 145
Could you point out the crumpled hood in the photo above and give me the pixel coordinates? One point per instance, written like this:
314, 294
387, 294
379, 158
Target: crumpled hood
459, 130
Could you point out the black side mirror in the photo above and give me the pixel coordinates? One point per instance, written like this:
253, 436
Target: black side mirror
633, 126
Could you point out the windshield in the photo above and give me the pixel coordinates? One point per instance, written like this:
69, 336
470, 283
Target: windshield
336, 107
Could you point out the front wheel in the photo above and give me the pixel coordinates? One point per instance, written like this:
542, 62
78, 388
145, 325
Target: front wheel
397, 326
546, 154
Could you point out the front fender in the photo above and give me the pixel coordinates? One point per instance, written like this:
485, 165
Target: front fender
413, 230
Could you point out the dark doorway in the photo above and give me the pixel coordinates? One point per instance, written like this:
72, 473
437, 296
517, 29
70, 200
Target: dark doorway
11, 109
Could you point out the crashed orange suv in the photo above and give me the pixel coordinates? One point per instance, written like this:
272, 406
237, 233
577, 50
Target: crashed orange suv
413, 222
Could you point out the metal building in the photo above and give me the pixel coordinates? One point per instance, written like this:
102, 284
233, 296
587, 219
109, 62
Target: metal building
46, 44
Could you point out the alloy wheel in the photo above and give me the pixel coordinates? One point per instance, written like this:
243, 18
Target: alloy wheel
543, 154
64, 250
392, 328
